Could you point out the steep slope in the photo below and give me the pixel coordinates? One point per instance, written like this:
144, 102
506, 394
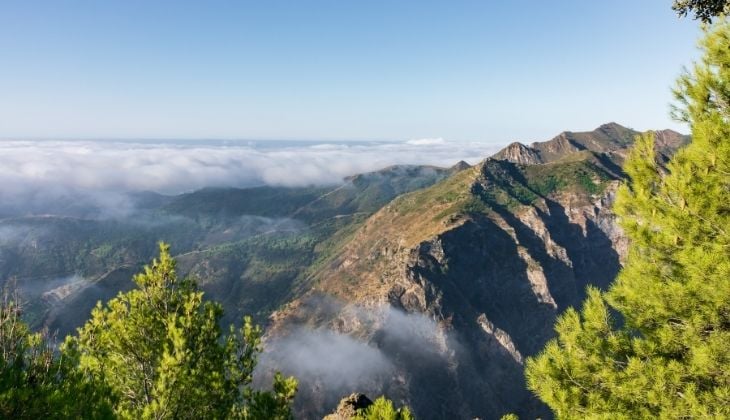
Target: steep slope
491, 255
248, 246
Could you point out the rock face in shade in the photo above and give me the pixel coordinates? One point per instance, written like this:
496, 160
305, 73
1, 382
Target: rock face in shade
491, 255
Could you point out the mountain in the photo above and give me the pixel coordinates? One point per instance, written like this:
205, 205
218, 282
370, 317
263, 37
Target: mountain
430, 285
611, 139
247, 246
491, 256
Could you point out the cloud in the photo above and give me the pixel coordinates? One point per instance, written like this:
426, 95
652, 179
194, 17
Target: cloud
175, 167
362, 349
55, 176
426, 142
337, 360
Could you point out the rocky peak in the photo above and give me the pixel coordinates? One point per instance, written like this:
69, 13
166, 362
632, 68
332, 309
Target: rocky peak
608, 138
558, 147
492, 255
460, 166
613, 129
518, 153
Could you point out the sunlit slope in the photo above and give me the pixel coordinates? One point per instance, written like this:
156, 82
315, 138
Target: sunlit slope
492, 253
247, 246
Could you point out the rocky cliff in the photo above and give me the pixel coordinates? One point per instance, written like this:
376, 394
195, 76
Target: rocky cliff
488, 257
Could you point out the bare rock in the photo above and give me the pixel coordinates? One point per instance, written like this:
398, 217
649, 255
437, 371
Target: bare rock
348, 407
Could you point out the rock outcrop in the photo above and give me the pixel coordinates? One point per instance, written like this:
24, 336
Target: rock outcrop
519, 153
349, 406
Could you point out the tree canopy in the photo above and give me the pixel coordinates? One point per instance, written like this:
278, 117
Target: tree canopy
161, 352
704, 10
34, 382
384, 409
656, 344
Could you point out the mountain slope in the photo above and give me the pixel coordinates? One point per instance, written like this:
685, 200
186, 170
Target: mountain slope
248, 246
430, 285
492, 255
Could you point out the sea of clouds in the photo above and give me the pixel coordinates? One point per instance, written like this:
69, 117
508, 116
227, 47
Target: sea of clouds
36, 173
173, 167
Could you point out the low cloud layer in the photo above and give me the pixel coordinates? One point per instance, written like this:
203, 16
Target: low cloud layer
176, 167
34, 173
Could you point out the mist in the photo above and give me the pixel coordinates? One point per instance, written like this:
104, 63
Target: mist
371, 350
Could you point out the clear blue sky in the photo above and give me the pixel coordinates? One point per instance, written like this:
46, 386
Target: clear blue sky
482, 70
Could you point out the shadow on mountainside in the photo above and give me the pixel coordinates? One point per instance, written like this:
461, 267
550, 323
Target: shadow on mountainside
481, 274
477, 270
595, 262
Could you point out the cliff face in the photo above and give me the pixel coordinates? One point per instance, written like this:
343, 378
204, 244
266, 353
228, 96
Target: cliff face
494, 284
491, 256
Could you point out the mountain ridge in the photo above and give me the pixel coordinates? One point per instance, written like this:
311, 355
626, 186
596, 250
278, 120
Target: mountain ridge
485, 255
607, 138
491, 254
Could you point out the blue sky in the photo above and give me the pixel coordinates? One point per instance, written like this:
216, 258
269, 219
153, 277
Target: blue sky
487, 70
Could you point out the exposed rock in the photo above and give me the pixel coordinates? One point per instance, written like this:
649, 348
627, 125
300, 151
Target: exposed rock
348, 407
608, 138
502, 337
518, 153
495, 281
558, 147
493, 258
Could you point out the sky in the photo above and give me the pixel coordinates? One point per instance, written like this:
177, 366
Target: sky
463, 70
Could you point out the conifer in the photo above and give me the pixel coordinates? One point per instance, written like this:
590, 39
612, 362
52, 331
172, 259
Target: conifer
655, 345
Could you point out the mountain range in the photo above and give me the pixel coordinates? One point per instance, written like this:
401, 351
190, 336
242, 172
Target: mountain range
431, 285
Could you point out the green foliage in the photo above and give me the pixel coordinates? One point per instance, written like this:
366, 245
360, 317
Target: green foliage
580, 175
160, 350
34, 382
383, 409
668, 357
704, 10
509, 417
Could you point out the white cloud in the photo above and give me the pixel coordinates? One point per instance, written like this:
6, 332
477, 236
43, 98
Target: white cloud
426, 142
41, 170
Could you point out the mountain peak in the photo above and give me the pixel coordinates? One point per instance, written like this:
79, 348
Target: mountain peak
608, 137
460, 166
610, 126
518, 153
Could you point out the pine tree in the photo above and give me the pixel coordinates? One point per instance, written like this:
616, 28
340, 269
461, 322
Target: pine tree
656, 345
383, 409
160, 350
34, 382
704, 10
